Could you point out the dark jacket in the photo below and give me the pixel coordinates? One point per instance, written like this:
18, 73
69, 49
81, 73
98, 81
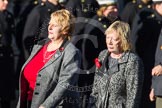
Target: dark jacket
56, 80
119, 86
145, 33
82, 10
157, 80
131, 9
7, 28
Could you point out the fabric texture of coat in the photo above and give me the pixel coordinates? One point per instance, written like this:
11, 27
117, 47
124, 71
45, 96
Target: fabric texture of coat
56, 80
119, 86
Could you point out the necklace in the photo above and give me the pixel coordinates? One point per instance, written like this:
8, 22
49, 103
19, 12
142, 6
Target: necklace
47, 55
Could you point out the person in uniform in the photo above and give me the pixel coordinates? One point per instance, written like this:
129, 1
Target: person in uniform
156, 88
7, 88
82, 10
132, 8
37, 23
145, 33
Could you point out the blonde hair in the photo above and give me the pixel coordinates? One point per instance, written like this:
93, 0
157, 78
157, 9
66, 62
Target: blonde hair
123, 30
65, 19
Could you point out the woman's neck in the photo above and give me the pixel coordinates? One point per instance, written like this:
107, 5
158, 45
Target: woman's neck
116, 55
53, 45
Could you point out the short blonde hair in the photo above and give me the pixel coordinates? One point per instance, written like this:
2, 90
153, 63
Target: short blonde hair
123, 30
65, 19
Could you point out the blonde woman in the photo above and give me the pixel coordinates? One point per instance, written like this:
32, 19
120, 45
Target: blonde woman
119, 72
51, 68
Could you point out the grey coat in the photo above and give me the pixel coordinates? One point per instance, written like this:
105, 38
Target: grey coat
119, 86
56, 79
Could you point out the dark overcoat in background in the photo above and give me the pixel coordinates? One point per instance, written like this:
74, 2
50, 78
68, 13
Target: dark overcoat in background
157, 80
145, 33
7, 81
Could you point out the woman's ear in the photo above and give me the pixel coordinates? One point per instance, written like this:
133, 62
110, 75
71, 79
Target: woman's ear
64, 33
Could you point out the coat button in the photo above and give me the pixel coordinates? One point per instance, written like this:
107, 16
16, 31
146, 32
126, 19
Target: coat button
36, 93
49, 10
39, 75
38, 84
1, 54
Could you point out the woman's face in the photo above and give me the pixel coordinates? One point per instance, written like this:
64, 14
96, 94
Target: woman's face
113, 42
54, 30
3, 5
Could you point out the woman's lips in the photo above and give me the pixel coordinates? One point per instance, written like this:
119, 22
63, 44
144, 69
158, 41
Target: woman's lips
50, 33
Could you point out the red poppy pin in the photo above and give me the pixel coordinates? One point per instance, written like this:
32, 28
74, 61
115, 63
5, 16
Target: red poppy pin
61, 49
98, 64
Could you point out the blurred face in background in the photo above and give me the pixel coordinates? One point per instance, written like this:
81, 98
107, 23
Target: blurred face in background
158, 8
146, 1
3, 5
111, 10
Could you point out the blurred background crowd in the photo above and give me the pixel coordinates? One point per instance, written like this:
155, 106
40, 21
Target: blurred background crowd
24, 22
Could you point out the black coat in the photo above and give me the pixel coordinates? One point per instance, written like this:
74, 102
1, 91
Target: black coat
131, 9
157, 80
145, 33
36, 27
82, 10
6, 56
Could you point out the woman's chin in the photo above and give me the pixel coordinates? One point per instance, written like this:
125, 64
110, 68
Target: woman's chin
50, 37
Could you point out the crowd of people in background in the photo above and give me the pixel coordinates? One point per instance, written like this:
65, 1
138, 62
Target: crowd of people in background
108, 53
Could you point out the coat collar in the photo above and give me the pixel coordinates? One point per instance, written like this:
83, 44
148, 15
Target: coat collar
115, 68
40, 44
58, 53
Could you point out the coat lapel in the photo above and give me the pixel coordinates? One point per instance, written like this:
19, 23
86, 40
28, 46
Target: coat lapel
54, 58
58, 54
35, 50
122, 60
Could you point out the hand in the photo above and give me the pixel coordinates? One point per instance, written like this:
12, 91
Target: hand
41, 107
157, 70
152, 96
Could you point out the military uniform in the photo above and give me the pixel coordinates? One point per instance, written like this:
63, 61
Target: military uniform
36, 26
82, 10
131, 9
157, 80
145, 33
7, 84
